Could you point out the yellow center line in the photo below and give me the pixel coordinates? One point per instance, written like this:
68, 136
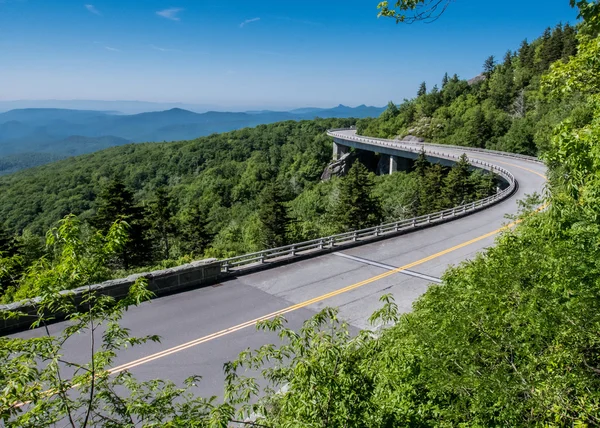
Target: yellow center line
516, 166
297, 306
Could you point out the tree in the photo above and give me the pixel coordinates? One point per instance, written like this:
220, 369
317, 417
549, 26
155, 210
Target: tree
410, 11
422, 89
457, 185
569, 42
489, 66
430, 190
390, 112
445, 80
7, 246
161, 212
508, 56
357, 207
273, 216
115, 201
421, 164
194, 227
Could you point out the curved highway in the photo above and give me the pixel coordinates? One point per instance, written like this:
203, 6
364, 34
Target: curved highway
202, 329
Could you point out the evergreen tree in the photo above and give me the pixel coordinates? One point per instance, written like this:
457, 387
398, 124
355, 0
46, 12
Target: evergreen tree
161, 215
489, 66
194, 230
445, 80
543, 61
430, 189
508, 56
421, 164
7, 247
115, 202
422, 89
569, 42
391, 111
273, 215
457, 184
526, 55
357, 206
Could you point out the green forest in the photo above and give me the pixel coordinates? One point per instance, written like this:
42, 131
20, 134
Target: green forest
218, 196
511, 338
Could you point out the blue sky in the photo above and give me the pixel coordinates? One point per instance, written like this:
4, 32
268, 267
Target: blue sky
250, 54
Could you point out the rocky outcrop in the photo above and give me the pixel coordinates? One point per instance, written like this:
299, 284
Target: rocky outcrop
338, 168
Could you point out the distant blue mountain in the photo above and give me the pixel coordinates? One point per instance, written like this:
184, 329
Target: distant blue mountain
39, 132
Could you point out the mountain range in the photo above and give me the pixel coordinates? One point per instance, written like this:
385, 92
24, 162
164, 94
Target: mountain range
34, 136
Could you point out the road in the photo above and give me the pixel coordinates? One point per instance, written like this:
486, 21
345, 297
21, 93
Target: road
202, 329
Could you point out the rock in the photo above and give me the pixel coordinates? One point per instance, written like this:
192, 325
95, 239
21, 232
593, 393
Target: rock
338, 168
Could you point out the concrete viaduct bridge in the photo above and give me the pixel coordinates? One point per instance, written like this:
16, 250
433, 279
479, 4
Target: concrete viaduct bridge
213, 320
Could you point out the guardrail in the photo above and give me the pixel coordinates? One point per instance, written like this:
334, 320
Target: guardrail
402, 226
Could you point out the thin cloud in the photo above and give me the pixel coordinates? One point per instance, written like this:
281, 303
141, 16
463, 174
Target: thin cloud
248, 21
91, 8
108, 48
171, 13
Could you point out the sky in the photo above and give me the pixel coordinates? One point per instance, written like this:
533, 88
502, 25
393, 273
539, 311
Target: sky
240, 54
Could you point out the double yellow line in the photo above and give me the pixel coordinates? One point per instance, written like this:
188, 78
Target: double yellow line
297, 306
306, 303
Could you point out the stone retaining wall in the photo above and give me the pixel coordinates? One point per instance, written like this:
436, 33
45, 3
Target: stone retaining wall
162, 282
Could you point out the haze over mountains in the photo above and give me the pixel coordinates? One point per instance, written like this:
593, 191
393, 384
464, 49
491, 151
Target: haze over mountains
34, 136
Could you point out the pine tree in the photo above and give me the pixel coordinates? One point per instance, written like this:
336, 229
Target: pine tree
508, 56
457, 184
7, 247
273, 215
357, 206
430, 190
489, 66
421, 164
161, 216
194, 230
544, 55
116, 202
422, 89
445, 80
569, 42
526, 55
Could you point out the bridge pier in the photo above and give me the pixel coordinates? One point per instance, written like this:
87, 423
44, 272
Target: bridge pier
393, 164
339, 150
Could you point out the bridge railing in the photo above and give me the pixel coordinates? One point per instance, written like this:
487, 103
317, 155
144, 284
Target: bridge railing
388, 229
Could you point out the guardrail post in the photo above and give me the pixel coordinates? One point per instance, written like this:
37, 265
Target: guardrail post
225, 267
354, 236
414, 222
262, 257
428, 218
321, 244
293, 252
377, 231
396, 227
331, 242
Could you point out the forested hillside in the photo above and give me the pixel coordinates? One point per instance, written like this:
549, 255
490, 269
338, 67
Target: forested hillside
501, 109
219, 196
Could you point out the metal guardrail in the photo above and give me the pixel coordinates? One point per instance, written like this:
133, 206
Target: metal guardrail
393, 228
